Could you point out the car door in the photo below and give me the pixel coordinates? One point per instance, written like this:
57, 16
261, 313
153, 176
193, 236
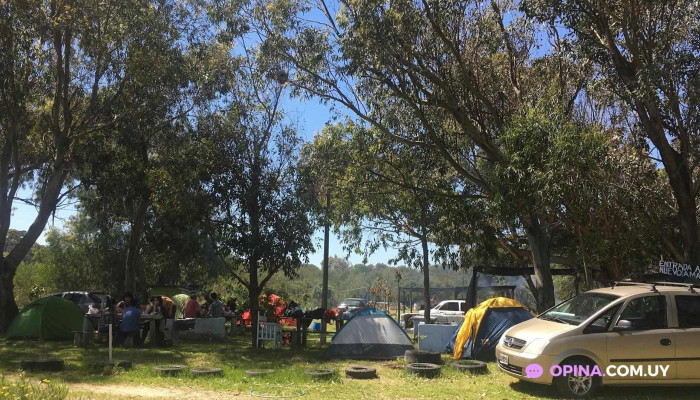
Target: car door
648, 342
688, 336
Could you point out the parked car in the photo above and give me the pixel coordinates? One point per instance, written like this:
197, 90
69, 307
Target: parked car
83, 299
352, 305
628, 334
447, 311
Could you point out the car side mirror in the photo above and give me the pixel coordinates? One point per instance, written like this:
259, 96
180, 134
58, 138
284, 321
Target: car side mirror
623, 325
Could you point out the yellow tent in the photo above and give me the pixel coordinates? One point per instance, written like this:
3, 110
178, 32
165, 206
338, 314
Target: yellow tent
472, 321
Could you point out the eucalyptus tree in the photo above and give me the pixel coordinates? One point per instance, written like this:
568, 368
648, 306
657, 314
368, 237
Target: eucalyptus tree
64, 65
461, 70
646, 55
262, 205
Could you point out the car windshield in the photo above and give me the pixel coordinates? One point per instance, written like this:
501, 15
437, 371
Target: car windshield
96, 297
353, 302
578, 309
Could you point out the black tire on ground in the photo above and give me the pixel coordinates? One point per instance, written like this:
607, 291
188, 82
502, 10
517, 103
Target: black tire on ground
425, 370
50, 364
207, 372
172, 369
258, 372
361, 372
125, 364
422, 356
473, 366
573, 387
319, 373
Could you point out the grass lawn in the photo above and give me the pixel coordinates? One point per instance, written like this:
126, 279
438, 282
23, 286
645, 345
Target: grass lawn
235, 356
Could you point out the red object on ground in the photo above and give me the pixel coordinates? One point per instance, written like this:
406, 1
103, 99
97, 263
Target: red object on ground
278, 312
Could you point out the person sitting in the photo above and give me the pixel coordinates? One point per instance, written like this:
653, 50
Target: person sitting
107, 317
155, 307
231, 304
94, 309
129, 326
216, 309
192, 308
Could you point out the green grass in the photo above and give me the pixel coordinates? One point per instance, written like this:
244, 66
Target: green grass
235, 356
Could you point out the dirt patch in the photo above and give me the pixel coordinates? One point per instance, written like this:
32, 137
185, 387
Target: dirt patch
110, 391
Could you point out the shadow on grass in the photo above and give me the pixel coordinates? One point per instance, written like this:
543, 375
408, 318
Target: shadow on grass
613, 392
232, 352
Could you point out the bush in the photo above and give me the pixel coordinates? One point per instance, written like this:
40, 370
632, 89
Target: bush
23, 389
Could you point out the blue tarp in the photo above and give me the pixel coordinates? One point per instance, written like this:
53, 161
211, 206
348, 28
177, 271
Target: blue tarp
495, 322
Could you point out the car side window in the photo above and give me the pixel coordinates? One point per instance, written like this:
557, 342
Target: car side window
688, 311
451, 306
645, 313
602, 323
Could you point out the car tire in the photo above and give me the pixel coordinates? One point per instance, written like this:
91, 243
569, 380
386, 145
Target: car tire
319, 373
573, 387
473, 366
422, 356
207, 372
52, 364
361, 372
169, 370
424, 370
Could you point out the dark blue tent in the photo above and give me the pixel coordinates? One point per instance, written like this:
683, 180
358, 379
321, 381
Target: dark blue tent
493, 324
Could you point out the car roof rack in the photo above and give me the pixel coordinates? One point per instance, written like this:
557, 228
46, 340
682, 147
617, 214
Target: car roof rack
626, 283
691, 286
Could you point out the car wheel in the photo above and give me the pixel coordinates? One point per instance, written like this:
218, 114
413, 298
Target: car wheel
578, 387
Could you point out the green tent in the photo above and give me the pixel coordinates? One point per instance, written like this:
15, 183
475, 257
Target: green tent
180, 300
48, 318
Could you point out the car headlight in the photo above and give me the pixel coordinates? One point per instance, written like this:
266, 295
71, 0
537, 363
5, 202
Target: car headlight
536, 346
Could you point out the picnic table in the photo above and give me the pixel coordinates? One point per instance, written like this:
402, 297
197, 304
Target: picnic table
91, 320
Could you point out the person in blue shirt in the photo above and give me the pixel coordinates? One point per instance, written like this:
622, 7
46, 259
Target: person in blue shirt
216, 308
130, 318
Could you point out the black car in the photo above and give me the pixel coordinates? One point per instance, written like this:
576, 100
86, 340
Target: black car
83, 299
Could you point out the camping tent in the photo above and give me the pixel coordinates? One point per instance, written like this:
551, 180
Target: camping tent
48, 318
369, 334
180, 300
484, 325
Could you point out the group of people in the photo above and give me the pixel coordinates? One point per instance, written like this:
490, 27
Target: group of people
124, 316
109, 314
213, 307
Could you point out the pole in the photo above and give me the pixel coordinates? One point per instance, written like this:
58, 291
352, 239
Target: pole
326, 239
110, 343
398, 297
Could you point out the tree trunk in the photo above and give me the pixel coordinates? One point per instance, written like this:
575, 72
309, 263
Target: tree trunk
682, 184
132, 275
426, 277
326, 240
539, 246
253, 296
8, 307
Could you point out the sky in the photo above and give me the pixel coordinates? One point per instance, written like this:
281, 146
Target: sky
310, 116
